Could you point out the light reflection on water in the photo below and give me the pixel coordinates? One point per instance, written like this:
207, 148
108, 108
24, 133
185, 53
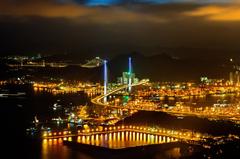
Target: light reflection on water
115, 140
54, 148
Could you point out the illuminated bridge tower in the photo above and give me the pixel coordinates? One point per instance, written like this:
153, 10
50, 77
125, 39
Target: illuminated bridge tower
105, 80
129, 73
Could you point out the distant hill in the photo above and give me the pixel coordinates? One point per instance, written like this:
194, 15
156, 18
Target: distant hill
163, 67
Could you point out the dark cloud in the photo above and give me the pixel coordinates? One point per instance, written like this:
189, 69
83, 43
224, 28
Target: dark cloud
67, 26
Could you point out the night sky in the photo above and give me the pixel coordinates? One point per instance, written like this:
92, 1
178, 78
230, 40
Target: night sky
111, 27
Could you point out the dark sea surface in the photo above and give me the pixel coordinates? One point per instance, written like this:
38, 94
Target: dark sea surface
16, 116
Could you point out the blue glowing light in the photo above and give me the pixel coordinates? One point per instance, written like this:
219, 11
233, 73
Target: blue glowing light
117, 2
130, 73
102, 2
105, 80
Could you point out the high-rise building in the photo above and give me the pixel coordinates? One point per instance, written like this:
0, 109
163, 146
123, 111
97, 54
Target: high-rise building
234, 77
237, 76
128, 77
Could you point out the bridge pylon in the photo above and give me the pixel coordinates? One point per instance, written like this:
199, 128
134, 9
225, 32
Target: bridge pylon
105, 80
129, 74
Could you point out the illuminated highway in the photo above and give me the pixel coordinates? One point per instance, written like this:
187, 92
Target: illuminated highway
98, 100
96, 62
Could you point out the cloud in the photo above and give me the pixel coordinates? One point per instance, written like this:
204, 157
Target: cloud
80, 12
74, 11
216, 12
43, 8
44, 25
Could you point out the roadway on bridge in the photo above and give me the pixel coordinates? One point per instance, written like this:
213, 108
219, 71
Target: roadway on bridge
97, 100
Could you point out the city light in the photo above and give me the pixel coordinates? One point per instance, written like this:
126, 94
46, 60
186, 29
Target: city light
120, 79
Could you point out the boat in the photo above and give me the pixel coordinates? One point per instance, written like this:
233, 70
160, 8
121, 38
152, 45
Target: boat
7, 93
